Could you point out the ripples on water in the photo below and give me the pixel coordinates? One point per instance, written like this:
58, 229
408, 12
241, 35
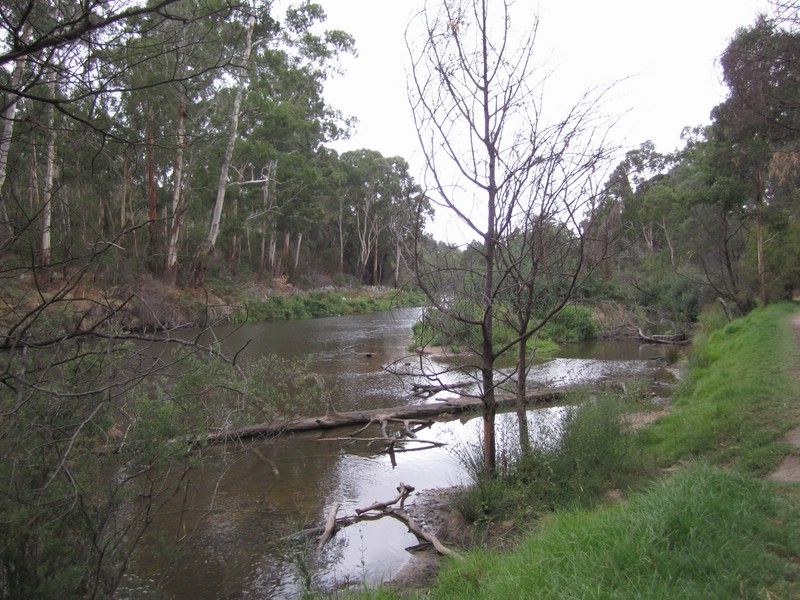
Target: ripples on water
239, 510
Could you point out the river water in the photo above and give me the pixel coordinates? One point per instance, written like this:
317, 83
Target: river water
232, 524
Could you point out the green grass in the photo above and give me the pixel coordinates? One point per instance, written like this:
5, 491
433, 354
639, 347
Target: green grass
702, 533
739, 397
324, 303
710, 527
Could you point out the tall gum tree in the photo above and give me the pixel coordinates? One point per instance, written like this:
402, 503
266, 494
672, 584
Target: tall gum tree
477, 95
304, 50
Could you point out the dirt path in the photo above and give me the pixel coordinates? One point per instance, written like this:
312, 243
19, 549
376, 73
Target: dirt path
789, 469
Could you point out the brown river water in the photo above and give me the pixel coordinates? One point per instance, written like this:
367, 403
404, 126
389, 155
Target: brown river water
233, 527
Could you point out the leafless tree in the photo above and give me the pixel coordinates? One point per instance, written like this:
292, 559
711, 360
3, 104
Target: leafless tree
518, 175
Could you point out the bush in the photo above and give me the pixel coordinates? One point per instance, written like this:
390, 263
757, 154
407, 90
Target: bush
572, 323
581, 457
572, 462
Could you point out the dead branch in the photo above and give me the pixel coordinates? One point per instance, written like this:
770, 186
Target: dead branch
417, 530
374, 511
330, 526
679, 339
403, 492
426, 391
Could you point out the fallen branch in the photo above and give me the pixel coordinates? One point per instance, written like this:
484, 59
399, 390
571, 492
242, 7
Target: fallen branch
400, 514
679, 338
330, 526
426, 391
417, 530
403, 492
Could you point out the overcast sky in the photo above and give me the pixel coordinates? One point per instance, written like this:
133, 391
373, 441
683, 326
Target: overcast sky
666, 52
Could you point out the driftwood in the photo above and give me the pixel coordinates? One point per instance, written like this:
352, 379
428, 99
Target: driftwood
403, 492
417, 530
451, 407
378, 510
330, 526
678, 338
426, 391
404, 435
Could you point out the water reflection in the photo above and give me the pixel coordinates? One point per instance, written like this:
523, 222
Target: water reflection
237, 509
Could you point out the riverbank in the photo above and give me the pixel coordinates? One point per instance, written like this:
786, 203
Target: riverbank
719, 519
148, 304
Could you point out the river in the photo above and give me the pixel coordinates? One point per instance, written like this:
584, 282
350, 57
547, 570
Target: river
232, 524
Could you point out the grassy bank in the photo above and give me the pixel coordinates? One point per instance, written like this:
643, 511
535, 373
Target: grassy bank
325, 303
707, 527
740, 396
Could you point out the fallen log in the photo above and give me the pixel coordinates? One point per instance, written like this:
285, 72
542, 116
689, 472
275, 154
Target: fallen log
678, 338
426, 391
454, 406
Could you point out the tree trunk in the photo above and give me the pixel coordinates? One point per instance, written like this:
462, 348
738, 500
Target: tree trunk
198, 266
262, 257
297, 256
47, 195
8, 115
398, 256
285, 253
341, 236
152, 200
762, 285
522, 389
376, 278
273, 251
178, 198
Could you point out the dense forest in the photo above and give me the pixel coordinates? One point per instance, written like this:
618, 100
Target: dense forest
186, 141
189, 144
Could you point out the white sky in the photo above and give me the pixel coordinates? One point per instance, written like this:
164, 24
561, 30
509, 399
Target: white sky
665, 50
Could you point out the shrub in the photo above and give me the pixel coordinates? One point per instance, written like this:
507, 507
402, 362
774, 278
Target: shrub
572, 323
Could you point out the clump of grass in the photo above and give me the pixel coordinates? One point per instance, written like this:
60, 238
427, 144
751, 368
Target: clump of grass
587, 453
572, 462
702, 533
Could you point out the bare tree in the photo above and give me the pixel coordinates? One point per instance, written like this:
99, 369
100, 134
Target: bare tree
477, 97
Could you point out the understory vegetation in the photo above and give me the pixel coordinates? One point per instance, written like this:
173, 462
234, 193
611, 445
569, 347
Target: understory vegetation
325, 303
173, 164
676, 509
573, 323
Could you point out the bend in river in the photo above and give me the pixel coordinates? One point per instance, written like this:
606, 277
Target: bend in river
232, 524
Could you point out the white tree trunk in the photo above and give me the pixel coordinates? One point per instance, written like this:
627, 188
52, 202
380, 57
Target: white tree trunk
177, 196
232, 135
8, 115
49, 176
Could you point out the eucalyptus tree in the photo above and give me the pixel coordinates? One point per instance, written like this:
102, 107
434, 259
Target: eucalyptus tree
94, 429
761, 116
306, 58
477, 95
382, 201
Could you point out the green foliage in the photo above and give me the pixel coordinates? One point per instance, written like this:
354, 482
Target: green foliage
658, 286
577, 460
96, 438
573, 323
573, 462
711, 318
732, 407
325, 303
701, 533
